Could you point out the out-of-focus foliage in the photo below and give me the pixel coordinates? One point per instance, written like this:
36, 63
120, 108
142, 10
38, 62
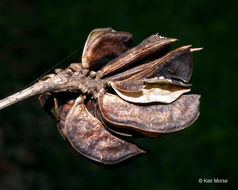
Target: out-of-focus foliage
35, 35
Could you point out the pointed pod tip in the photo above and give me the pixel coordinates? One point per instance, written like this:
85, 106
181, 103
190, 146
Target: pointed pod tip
186, 47
173, 39
196, 49
142, 151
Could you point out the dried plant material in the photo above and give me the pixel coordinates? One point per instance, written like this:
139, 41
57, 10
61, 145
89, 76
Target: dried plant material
148, 82
111, 128
88, 136
63, 113
94, 34
102, 43
50, 103
152, 44
150, 120
157, 92
128, 73
162, 80
177, 65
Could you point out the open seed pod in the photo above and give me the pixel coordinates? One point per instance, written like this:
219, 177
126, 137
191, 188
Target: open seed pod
151, 45
160, 80
140, 91
104, 42
159, 90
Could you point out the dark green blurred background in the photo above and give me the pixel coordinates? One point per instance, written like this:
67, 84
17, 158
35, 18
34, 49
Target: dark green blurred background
35, 35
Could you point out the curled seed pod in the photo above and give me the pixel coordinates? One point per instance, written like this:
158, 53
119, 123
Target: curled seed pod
177, 65
140, 92
130, 85
152, 119
146, 86
150, 45
103, 43
149, 83
93, 109
173, 65
89, 137
94, 34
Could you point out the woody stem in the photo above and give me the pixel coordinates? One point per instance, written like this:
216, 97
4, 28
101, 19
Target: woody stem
59, 82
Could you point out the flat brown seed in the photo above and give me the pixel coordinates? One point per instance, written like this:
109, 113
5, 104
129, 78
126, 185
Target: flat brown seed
107, 44
151, 119
89, 137
150, 45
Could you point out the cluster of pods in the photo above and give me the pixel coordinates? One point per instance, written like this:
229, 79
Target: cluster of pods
125, 92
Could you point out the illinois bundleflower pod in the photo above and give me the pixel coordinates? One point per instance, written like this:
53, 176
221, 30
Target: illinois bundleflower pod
118, 91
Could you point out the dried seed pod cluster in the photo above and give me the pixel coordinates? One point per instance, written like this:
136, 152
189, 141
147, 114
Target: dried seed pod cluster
147, 84
119, 91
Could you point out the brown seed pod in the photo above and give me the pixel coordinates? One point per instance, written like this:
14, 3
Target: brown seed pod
128, 73
63, 113
148, 82
141, 92
111, 128
152, 119
102, 43
150, 85
150, 45
88, 136
176, 65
